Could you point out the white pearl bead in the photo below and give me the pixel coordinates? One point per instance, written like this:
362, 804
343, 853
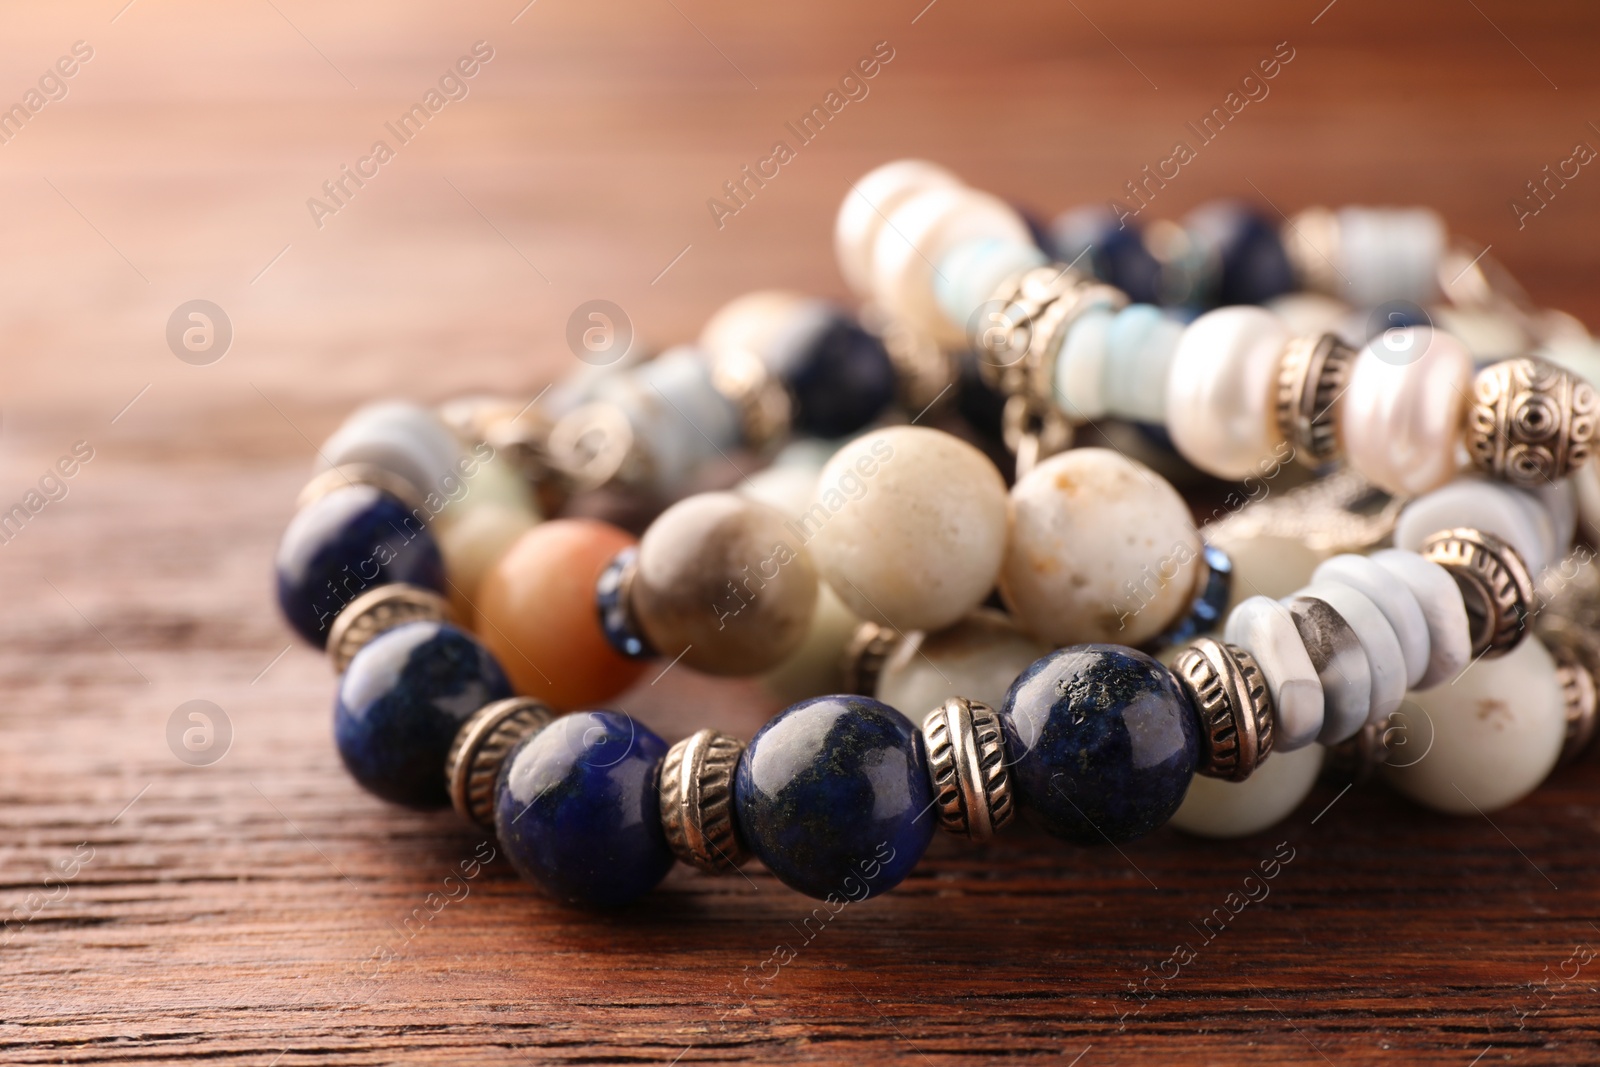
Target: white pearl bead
1400, 416
920, 233
1265, 629
1221, 390
1386, 663
1214, 807
401, 438
1140, 345
1514, 515
1496, 734
977, 658
869, 201
814, 669
1449, 632
908, 526
1102, 549
1400, 608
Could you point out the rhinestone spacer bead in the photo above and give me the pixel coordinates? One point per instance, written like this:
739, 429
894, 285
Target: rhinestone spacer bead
967, 765
1494, 583
696, 791
1312, 375
379, 610
481, 747
1228, 690
1530, 422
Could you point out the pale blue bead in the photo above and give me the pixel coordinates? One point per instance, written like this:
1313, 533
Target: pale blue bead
402, 438
1080, 368
1139, 347
969, 274
679, 419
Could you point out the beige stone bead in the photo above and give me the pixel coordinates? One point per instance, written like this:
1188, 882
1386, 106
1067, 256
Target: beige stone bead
977, 658
1215, 807
815, 668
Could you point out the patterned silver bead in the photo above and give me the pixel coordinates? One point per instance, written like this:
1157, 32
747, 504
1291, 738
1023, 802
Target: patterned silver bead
481, 747
1227, 688
379, 610
345, 474
1577, 655
1530, 422
967, 765
1494, 583
594, 445
865, 654
1312, 375
696, 791
1356, 759
765, 408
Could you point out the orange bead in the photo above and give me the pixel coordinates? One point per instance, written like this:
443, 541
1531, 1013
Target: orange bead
536, 613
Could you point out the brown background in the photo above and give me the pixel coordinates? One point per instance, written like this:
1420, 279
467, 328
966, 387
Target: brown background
228, 913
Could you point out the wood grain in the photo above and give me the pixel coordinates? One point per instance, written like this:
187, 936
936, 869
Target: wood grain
231, 913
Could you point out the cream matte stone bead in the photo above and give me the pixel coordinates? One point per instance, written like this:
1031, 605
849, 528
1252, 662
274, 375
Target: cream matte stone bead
1265, 564
1496, 734
1514, 515
977, 658
1449, 632
1401, 414
871, 200
1265, 629
1386, 661
1560, 500
1102, 549
1221, 390
1586, 484
473, 543
816, 667
1215, 807
1400, 608
492, 483
908, 527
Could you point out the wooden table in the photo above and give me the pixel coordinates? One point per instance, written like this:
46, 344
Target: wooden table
230, 912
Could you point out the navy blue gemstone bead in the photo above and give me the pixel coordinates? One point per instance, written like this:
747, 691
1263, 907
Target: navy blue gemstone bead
1205, 613
1254, 266
1110, 248
400, 703
833, 796
840, 376
577, 810
1102, 742
353, 539
616, 620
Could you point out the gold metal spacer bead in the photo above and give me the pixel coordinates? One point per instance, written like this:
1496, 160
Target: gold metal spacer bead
1227, 688
696, 792
765, 408
1530, 422
1494, 583
1312, 375
1577, 656
481, 747
868, 649
377, 611
967, 765
345, 474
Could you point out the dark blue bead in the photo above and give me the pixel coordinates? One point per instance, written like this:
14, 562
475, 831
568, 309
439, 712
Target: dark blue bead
343, 544
833, 796
1206, 611
840, 376
578, 813
400, 703
1110, 248
1102, 743
610, 601
1253, 267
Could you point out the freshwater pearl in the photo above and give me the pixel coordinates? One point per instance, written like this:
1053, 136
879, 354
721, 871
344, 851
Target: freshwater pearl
1514, 515
400, 703
578, 812
817, 666
1139, 349
473, 543
1081, 367
1102, 548
1265, 629
833, 796
1449, 633
908, 526
536, 613
1221, 390
1386, 662
403, 439
1496, 734
869, 202
1400, 417
977, 658
723, 584
1399, 606
973, 271
1102, 743
1215, 807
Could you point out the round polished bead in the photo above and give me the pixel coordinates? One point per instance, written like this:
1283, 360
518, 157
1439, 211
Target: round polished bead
1400, 417
833, 795
1111, 248
1101, 548
870, 201
1495, 734
1400, 607
536, 613
377, 611
723, 582
1216, 807
346, 542
908, 526
1531, 422
1449, 633
1266, 629
400, 703
977, 658
405, 439
1252, 266
1102, 742
1221, 390
578, 811
840, 376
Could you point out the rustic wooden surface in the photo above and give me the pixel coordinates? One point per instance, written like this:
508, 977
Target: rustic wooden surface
231, 912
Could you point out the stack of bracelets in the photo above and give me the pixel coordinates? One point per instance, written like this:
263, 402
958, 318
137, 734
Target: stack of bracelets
1389, 584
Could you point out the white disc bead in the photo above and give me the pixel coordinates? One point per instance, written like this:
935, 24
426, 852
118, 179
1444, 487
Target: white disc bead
1386, 662
1449, 632
1221, 390
1265, 629
1400, 416
1400, 608
1215, 807
973, 271
1516, 516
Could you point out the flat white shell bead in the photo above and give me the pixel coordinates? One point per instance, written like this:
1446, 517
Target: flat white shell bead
1449, 632
1514, 515
1264, 628
1386, 663
908, 526
1495, 734
1102, 549
869, 201
1221, 389
1399, 606
1400, 416
1215, 807
977, 658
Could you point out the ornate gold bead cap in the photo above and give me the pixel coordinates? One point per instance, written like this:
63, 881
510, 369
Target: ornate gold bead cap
379, 610
1494, 584
763, 404
1530, 422
1312, 375
696, 792
345, 474
967, 766
481, 747
1228, 690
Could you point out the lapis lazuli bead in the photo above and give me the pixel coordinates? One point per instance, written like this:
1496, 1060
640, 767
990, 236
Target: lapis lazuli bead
833, 796
1253, 265
577, 810
1102, 743
400, 703
339, 546
840, 376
